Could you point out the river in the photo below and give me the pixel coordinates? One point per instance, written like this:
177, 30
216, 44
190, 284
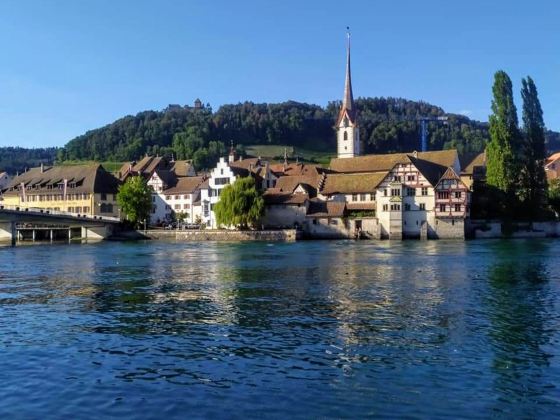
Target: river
318, 329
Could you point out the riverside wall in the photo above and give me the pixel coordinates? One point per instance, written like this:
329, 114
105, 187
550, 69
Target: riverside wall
284, 235
479, 229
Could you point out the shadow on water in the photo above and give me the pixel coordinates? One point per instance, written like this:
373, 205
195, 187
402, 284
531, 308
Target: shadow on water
520, 306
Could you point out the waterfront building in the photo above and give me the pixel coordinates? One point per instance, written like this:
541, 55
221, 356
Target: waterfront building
80, 189
380, 196
181, 198
226, 173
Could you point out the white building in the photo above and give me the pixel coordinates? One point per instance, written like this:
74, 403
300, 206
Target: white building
226, 173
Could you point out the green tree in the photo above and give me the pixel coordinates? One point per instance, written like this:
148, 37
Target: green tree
533, 177
241, 205
554, 195
503, 150
135, 199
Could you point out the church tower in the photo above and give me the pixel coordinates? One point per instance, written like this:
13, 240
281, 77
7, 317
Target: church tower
347, 130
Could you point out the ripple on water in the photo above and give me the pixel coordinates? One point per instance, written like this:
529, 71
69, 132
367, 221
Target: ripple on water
312, 329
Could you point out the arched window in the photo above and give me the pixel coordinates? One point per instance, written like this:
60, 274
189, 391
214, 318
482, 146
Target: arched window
346, 135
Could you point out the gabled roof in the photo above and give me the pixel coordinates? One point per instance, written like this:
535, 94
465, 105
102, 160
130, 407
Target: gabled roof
272, 198
431, 164
469, 162
87, 179
185, 185
319, 208
450, 174
289, 183
553, 157
181, 167
368, 163
352, 183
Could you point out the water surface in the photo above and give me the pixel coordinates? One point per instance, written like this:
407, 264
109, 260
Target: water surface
312, 329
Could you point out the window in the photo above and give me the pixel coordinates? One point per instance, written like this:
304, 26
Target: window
103, 196
372, 197
442, 207
221, 181
411, 178
411, 192
345, 135
424, 190
221, 171
422, 206
354, 197
177, 197
457, 207
154, 208
395, 192
457, 194
397, 178
167, 207
186, 206
168, 197
395, 207
363, 197
177, 207
407, 207
153, 198
86, 209
333, 221
385, 192
443, 195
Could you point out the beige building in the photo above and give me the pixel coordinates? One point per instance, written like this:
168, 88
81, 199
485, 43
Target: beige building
80, 189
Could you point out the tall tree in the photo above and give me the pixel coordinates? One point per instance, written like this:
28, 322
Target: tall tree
503, 152
241, 205
135, 199
533, 178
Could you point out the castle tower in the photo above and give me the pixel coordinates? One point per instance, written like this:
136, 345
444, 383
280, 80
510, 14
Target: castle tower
347, 130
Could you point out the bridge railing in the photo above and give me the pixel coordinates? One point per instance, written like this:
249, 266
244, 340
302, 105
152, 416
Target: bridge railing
39, 211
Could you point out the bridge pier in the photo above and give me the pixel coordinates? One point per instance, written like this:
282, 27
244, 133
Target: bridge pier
8, 232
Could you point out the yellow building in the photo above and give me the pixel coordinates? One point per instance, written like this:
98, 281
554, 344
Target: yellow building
82, 189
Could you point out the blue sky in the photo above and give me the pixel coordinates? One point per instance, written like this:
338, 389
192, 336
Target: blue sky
70, 66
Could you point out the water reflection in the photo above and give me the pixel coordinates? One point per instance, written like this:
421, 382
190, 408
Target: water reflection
521, 306
322, 329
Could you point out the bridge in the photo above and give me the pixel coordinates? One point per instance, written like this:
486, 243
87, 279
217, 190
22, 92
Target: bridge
18, 222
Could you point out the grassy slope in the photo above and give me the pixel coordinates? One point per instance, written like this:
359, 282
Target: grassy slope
277, 152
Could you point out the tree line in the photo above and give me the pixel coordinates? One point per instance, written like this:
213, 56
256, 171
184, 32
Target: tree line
516, 184
386, 124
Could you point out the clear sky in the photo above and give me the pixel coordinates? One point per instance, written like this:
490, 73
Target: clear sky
68, 66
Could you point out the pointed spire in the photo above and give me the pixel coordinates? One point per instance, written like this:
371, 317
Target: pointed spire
348, 102
348, 108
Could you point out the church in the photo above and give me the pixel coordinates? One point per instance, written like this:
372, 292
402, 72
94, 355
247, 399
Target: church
391, 196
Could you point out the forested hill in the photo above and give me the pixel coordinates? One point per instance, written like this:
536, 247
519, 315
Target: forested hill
18, 159
386, 125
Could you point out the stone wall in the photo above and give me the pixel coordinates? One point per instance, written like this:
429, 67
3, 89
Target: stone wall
449, 229
480, 229
340, 228
287, 235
